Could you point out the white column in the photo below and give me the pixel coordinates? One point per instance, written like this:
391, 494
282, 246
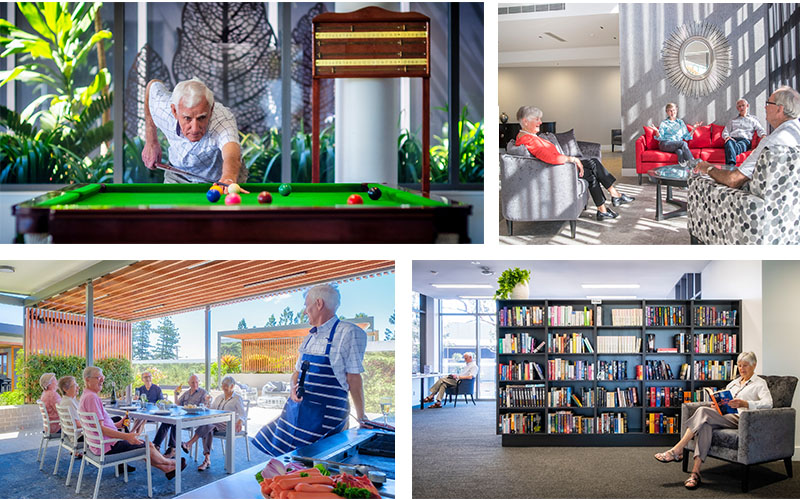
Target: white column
367, 111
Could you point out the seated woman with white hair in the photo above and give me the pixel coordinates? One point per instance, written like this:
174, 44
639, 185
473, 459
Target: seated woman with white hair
530, 119
50, 398
749, 392
227, 401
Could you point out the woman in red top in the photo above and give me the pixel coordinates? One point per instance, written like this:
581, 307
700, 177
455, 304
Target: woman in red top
530, 119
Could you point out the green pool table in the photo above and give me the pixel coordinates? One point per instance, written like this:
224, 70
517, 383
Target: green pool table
180, 213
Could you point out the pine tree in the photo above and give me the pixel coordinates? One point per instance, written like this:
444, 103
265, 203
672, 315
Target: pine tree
168, 339
272, 321
141, 340
242, 324
388, 334
287, 317
300, 317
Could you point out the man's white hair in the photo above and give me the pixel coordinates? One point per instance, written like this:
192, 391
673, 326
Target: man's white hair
789, 98
191, 91
328, 293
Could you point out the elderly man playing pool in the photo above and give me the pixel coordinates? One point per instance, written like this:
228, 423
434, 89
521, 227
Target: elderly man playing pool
203, 136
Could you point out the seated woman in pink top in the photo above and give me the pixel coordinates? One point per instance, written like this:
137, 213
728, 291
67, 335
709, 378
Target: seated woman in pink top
50, 398
90, 402
530, 119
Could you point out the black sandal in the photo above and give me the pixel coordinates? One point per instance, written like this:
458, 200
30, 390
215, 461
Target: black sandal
693, 482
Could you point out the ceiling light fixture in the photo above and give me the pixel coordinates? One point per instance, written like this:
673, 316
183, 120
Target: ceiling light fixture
200, 264
478, 297
609, 297
7, 269
148, 308
614, 285
554, 36
273, 280
455, 285
102, 296
475, 263
486, 271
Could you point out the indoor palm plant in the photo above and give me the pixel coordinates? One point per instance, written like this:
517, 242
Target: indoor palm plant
513, 283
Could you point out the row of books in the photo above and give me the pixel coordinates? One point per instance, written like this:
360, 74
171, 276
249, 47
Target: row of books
621, 397
570, 316
658, 369
521, 316
568, 343
519, 343
561, 369
521, 423
566, 396
567, 422
522, 396
664, 316
715, 370
658, 423
612, 370
623, 317
715, 343
614, 344
659, 397
711, 316
520, 370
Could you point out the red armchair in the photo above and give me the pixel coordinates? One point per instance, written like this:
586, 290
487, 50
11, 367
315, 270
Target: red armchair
706, 144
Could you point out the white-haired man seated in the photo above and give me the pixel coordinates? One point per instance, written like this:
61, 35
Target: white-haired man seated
783, 109
203, 136
329, 366
469, 371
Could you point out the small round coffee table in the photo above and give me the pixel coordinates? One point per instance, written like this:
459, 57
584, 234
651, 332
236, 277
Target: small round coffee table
669, 176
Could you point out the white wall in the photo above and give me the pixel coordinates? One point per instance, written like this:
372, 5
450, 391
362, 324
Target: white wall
586, 99
781, 335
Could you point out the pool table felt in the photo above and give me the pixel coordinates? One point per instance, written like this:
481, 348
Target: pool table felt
194, 195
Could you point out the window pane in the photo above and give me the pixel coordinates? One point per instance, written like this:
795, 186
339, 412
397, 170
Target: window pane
487, 338
487, 306
471, 91
458, 306
458, 337
415, 342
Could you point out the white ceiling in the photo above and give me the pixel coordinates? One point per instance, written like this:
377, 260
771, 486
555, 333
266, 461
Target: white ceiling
556, 279
590, 31
35, 275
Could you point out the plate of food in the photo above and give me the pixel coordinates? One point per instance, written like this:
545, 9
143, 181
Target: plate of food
192, 408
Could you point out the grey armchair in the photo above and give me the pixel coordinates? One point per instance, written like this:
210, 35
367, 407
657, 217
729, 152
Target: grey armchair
532, 190
763, 435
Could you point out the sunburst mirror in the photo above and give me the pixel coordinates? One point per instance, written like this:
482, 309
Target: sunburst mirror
697, 59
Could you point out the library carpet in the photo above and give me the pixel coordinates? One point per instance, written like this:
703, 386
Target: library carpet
456, 454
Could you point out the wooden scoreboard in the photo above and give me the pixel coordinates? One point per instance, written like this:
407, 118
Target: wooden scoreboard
372, 43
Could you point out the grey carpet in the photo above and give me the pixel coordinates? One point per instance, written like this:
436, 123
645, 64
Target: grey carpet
636, 224
456, 454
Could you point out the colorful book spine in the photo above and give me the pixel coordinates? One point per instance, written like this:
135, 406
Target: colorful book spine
660, 423
665, 316
521, 316
711, 316
562, 369
520, 423
522, 396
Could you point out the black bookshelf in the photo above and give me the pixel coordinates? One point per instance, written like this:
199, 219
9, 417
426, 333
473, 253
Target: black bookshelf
642, 331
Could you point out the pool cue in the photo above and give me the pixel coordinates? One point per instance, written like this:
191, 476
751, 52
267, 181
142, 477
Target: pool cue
170, 168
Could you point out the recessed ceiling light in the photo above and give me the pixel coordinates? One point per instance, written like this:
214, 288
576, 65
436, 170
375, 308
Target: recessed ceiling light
7, 269
613, 285
273, 280
486, 271
434, 273
456, 285
479, 297
614, 297
475, 263
200, 264
554, 36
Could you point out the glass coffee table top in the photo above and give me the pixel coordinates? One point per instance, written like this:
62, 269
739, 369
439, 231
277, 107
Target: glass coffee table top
671, 172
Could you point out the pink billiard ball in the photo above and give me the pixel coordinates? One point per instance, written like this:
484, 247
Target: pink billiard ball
264, 197
355, 199
233, 199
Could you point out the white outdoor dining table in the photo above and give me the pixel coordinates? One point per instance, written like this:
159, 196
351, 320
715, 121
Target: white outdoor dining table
181, 420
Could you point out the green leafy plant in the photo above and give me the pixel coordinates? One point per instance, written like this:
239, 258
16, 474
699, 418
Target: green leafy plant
117, 370
12, 398
509, 279
230, 364
261, 155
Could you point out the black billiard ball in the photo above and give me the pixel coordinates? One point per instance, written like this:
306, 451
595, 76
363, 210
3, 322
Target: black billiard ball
374, 193
103, 187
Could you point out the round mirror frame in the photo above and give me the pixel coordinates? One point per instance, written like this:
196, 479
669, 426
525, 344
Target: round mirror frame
720, 59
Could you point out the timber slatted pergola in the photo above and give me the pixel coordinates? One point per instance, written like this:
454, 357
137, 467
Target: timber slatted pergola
130, 291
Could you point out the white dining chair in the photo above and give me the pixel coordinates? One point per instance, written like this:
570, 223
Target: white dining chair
47, 436
70, 434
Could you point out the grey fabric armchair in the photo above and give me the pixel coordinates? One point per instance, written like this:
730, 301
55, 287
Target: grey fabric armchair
532, 190
763, 435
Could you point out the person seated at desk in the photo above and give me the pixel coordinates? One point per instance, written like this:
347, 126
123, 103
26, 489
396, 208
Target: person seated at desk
739, 132
469, 371
783, 109
227, 401
90, 403
749, 392
530, 119
195, 395
50, 398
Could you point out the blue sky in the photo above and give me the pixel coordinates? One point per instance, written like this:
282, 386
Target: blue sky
373, 296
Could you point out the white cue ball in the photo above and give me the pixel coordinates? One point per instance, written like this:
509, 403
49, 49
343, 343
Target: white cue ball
234, 189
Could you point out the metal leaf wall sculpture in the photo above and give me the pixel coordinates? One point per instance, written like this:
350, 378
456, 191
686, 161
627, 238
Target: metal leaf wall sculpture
303, 39
147, 66
232, 48
721, 59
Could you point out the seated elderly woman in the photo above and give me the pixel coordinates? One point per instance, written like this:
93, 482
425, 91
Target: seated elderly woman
673, 134
50, 398
227, 401
749, 392
90, 402
530, 119
69, 388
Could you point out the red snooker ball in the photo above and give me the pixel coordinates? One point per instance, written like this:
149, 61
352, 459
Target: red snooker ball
264, 197
355, 199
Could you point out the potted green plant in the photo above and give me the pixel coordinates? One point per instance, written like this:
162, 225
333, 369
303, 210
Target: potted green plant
513, 283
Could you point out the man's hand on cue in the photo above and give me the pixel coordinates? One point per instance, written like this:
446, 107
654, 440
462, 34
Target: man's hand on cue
151, 154
231, 181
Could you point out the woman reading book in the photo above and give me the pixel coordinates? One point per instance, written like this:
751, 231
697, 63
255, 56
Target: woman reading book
748, 392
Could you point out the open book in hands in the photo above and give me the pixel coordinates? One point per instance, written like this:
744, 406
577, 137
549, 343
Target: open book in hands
720, 400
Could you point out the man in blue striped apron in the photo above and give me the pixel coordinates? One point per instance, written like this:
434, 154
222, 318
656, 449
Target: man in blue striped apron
330, 365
